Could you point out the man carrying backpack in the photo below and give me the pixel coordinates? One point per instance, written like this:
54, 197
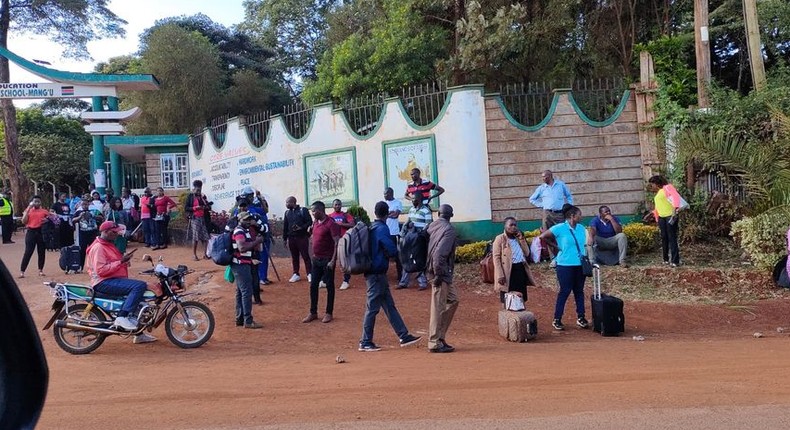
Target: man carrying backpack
420, 217
246, 241
345, 221
326, 234
379, 296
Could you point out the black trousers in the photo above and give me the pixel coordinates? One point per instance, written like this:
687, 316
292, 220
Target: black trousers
669, 240
8, 227
34, 239
320, 271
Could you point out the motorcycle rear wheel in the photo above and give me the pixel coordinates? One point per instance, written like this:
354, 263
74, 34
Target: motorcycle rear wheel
192, 331
79, 342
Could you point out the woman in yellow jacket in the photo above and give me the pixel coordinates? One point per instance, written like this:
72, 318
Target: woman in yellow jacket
511, 252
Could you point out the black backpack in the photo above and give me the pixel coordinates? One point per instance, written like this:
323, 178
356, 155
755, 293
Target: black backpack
414, 251
222, 249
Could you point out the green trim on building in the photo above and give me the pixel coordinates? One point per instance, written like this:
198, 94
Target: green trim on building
433, 123
408, 141
306, 134
353, 133
121, 81
266, 139
552, 108
152, 139
608, 121
353, 151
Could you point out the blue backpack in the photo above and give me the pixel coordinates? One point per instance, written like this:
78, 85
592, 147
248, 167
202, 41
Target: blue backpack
222, 249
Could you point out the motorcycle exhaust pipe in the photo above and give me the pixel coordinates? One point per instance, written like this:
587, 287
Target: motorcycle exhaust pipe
72, 326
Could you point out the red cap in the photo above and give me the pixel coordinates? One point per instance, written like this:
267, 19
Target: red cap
111, 226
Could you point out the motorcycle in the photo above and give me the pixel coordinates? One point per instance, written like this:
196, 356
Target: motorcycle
83, 317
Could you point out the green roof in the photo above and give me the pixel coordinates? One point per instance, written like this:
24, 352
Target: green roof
122, 82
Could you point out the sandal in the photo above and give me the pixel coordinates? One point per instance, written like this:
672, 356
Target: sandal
41, 273
196, 258
21, 275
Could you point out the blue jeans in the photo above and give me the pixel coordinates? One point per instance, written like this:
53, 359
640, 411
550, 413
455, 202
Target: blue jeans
149, 232
570, 278
244, 280
422, 281
263, 268
379, 297
131, 288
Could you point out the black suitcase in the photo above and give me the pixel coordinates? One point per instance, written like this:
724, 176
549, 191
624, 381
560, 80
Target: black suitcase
70, 258
607, 311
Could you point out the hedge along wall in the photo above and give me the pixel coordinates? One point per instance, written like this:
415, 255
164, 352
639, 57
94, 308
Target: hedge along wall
601, 162
451, 151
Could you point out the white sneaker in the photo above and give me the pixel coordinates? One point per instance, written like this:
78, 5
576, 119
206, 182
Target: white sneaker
309, 277
144, 338
553, 264
344, 285
322, 284
295, 278
125, 323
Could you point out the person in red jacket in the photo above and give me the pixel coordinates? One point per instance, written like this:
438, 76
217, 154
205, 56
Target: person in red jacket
109, 274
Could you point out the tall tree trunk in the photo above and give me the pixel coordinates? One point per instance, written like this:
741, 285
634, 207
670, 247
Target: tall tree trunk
459, 10
20, 185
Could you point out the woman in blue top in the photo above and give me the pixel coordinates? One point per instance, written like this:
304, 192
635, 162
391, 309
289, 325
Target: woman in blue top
570, 238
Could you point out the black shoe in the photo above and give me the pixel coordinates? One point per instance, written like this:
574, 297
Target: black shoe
447, 345
266, 282
409, 339
257, 302
253, 325
401, 287
558, 325
582, 322
442, 348
239, 323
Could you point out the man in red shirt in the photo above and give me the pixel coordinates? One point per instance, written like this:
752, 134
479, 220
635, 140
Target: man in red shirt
34, 217
423, 186
345, 221
326, 234
109, 274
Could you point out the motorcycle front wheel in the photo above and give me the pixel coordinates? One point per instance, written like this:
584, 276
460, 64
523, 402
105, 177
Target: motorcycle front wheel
78, 341
190, 326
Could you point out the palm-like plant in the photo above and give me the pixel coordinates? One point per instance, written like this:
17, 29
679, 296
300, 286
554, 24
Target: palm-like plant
761, 168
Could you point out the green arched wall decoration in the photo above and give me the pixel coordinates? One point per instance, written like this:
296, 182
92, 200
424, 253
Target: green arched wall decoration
536, 127
373, 132
608, 121
309, 126
202, 144
266, 139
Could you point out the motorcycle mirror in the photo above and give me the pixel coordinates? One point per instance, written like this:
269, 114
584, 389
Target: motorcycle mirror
161, 259
147, 257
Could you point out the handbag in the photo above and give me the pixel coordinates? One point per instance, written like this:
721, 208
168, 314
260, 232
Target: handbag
514, 302
487, 268
587, 268
229, 275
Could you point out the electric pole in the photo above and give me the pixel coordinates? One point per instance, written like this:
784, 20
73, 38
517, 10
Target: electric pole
753, 40
702, 48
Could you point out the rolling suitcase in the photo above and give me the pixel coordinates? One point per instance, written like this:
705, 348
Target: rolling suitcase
517, 326
607, 311
70, 259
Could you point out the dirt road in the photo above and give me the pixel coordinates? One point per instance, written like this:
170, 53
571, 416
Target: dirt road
699, 367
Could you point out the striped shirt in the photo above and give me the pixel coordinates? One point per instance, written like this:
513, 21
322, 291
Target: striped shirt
420, 217
518, 253
248, 235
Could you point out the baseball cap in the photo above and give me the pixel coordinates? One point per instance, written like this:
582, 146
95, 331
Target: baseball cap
242, 216
111, 226
247, 190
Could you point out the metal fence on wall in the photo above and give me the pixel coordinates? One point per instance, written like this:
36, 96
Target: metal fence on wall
218, 129
257, 127
197, 140
363, 113
296, 118
529, 103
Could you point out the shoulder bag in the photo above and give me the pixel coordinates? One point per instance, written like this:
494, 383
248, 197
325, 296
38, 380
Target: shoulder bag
587, 267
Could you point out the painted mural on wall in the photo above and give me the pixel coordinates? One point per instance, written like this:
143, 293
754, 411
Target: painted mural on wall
331, 175
401, 156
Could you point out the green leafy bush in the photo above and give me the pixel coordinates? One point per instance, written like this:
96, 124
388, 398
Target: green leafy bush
763, 237
641, 238
359, 213
471, 252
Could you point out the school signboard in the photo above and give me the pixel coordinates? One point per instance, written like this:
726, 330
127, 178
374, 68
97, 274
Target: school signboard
49, 90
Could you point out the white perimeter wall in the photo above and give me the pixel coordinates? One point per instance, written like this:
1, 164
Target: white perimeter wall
461, 157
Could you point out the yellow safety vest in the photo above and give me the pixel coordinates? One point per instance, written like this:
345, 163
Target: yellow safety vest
6, 209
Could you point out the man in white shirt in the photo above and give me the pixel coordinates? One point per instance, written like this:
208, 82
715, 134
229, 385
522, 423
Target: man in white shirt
395, 208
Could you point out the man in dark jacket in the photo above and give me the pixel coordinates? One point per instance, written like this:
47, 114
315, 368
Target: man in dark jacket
295, 223
379, 295
441, 257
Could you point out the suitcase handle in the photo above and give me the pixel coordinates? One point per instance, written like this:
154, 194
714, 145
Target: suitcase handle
597, 281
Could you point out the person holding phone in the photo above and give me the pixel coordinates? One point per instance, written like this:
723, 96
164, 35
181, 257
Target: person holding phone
667, 204
109, 274
34, 218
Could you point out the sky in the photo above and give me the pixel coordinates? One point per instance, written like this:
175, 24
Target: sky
140, 15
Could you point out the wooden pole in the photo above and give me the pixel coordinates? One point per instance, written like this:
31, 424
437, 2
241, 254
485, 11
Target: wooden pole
702, 48
753, 41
